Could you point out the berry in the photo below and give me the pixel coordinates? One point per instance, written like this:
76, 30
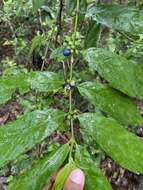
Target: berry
66, 52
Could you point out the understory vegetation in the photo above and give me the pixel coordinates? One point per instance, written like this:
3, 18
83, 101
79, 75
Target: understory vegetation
71, 93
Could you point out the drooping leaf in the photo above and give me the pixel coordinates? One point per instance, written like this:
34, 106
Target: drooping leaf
37, 4
50, 13
94, 178
120, 17
92, 35
121, 145
63, 175
121, 73
24, 133
37, 42
40, 81
37, 176
112, 102
71, 6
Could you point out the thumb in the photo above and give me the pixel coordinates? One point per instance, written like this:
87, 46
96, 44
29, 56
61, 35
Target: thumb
75, 180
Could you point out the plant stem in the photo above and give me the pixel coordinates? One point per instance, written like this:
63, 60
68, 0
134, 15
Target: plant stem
46, 50
71, 76
59, 21
71, 67
76, 20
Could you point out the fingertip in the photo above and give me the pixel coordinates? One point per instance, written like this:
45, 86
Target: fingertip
75, 180
77, 176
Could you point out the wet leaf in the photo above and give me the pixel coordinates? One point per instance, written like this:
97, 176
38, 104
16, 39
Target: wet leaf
121, 145
94, 178
121, 73
39, 174
39, 81
120, 17
112, 102
24, 133
47, 82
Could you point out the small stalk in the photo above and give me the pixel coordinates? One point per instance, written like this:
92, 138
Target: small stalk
71, 77
76, 19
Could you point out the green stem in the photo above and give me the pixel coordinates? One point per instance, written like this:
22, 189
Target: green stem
71, 76
76, 19
72, 141
71, 67
47, 48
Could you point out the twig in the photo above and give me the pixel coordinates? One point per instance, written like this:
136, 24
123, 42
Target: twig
59, 21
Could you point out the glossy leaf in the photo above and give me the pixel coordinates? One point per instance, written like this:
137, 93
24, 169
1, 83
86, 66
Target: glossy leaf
37, 176
46, 82
120, 17
122, 74
63, 175
92, 35
121, 145
24, 133
111, 102
40, 81
94, 178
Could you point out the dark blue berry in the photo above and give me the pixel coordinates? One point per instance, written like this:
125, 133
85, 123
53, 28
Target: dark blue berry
66, 52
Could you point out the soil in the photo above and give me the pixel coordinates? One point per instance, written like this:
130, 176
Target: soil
10, 111
120, 178
6, 50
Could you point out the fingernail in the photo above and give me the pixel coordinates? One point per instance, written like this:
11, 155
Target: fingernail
77, 177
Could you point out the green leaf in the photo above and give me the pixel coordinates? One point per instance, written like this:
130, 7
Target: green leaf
122, 74
37, 176
46, 81
57, 54
40, 81
63, 175
119, 17
111, 102
71, 6
37, 42
121, 145
9, 84
24, 133
92, 35
37, 4
94, 178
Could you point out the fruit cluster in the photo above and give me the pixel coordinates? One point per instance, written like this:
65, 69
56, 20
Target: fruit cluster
72, 44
